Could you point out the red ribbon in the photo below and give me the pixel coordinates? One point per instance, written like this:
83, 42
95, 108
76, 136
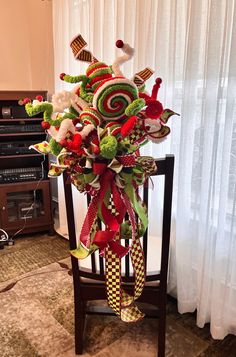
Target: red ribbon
106, 184
107, 238
127, 160
89, 221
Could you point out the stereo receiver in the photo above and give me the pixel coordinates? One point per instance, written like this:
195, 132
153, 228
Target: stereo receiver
21, 175
16, 148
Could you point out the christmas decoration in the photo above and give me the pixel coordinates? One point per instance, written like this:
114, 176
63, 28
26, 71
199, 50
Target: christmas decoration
96, 132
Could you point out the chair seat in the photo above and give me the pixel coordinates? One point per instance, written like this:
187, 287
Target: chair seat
93, 281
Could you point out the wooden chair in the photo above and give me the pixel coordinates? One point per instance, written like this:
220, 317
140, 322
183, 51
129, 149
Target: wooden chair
89, 283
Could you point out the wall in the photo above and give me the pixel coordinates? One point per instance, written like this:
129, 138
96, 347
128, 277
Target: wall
26, 45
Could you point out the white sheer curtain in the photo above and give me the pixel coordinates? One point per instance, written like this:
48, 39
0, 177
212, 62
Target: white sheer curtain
191, 45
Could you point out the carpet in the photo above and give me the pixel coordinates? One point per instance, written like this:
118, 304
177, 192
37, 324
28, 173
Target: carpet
31, 253
36, 315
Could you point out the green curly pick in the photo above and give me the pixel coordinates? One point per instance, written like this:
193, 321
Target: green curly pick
135, 107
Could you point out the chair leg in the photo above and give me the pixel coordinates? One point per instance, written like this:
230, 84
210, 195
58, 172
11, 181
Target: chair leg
162, 335
80, 314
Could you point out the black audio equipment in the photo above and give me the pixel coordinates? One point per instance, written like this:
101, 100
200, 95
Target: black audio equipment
21, 175
16, 148
6, 112
18, 111
21, 128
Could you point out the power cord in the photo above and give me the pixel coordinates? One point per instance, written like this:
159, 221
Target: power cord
4, 238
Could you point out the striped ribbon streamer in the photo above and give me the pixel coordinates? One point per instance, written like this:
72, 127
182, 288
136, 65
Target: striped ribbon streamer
142, 76
77, 45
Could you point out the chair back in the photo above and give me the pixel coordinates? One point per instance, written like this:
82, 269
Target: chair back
96, 269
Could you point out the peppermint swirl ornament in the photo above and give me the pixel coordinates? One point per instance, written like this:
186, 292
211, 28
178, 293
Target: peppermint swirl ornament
113, 96
90, 116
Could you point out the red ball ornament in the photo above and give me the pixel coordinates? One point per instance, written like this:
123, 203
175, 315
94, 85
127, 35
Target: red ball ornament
39, 98
45, 125
26, 100
62, 75
158, 81
76, 142
154, 110
119, 43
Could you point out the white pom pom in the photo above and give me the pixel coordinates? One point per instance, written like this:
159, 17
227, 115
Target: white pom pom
63, 100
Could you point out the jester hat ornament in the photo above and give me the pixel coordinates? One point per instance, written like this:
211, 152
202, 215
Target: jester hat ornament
96, 132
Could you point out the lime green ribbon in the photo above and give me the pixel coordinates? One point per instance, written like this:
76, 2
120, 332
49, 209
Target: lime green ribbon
137, 204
